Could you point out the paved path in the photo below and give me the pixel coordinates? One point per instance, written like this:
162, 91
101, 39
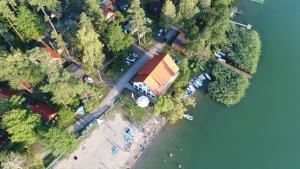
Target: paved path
117, 88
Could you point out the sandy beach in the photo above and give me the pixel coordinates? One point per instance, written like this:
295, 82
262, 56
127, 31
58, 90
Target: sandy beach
114, 144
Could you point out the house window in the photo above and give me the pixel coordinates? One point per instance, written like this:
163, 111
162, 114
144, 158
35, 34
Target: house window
135, 86
140, 85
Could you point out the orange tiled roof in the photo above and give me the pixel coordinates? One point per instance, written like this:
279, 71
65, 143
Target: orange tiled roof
157, 72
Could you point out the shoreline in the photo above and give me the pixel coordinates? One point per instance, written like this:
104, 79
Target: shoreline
96, 147
149, 136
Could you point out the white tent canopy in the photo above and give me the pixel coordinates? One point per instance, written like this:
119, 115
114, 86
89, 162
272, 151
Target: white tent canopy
143, 101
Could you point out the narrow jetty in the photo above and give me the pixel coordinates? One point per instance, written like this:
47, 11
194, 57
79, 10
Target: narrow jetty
248, 26
239, 71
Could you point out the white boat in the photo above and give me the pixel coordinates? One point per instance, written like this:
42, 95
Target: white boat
195, 84
188, 117
222, 54
192, 88
199, 82
202, 77
217, 55
207, 76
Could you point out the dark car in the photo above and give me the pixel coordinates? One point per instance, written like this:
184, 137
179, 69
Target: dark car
122, 5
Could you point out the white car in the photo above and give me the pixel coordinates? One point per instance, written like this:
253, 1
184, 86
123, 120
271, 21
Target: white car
160, 32
148, 20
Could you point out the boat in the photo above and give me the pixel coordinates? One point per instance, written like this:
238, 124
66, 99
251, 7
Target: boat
188, 117
199, 82
195, 84
207, 76
222, 54
217, 55
202, 77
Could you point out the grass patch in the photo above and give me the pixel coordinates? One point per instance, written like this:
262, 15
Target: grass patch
132, 111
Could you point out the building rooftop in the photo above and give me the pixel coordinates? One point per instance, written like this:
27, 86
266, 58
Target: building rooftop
47, 113
157, 73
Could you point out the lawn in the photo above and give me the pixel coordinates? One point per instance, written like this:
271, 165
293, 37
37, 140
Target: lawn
132, 111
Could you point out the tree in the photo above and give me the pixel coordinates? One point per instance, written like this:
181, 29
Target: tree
29, 24
137, 15
6, 35
62, 45
12, 102
21, 125
184, 77
168, 16
176, 113
190, 101
42, 5
89, 44
187, 11
18, 69
96, 14
58, 141
116, 39
205, 3
9, 15
163, 104
67, 90
14, 161
66, 117
244, 48
228, 87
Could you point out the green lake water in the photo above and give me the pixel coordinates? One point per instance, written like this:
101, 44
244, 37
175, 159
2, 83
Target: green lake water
262, 131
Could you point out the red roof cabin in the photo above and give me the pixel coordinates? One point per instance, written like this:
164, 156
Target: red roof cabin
47, 113
156, 76
5, 93
55, 55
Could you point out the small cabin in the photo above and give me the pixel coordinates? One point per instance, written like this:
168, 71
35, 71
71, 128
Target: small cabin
47, 113
179, 43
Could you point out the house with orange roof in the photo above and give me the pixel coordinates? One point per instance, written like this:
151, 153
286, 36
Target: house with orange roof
55, 55
156, 76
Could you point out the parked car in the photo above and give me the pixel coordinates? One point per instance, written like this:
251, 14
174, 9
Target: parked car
160, 32
148, 20
88, 79
122, 5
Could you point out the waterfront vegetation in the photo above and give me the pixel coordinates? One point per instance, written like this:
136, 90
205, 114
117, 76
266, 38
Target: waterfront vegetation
228, 87
91, 41
243, 48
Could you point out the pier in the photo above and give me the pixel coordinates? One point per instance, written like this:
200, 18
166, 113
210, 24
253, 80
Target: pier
248, 26
239, 71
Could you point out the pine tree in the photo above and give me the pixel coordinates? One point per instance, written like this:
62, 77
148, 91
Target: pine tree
116, 39
187, 10
137, 15
168, 16
29, 24
21, 125
42, 5
89, 44
58, 141
18, 69
6, 35
9, 16
96, 14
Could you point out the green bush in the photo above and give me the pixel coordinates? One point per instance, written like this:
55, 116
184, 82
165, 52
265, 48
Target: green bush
66, 117
244, 48
228, 87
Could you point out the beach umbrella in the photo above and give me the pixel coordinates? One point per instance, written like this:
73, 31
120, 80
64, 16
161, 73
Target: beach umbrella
143, 101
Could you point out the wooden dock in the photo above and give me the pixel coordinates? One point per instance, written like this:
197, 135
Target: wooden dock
248, 26
239, 71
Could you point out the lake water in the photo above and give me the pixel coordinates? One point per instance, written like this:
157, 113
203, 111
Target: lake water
261, 132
